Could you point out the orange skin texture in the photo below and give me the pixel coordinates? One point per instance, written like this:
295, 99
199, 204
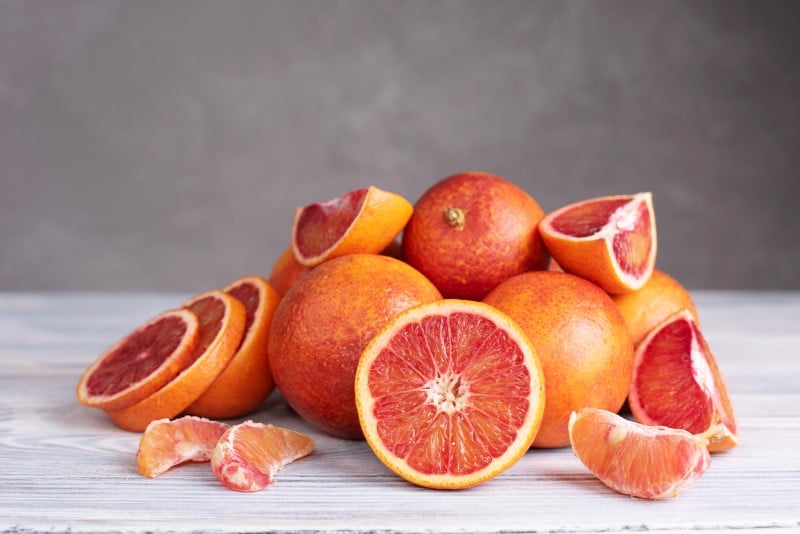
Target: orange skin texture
323, 324
193, 380
246, 381
582, 342
659, 298
286, 271
497, 239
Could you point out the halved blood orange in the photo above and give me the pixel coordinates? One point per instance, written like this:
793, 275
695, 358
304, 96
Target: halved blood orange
363, 220
450, 394
222, 320
141, 362
650, 462
610, 241
248, 455
166, 443
676, 383
246, 381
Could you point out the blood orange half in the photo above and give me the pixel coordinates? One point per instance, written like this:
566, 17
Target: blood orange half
364, 220
249, 454
676, 383
141, 362
450, 394
638, 460
610, 241
165, 444
222, 320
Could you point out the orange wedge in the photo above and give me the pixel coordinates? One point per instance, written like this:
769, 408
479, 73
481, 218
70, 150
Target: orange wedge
165, 444
363, 220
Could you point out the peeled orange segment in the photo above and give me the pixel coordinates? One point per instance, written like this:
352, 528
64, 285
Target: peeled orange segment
249, 454
610, 241
676, 383
246, 381
450, 394
166, 443
222, 321
364, 220
634, 459
141, 362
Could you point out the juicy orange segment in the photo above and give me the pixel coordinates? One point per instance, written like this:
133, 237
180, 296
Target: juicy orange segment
638, 460
165, 444
450, 394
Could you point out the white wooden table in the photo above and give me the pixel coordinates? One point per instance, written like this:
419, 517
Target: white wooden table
66, 467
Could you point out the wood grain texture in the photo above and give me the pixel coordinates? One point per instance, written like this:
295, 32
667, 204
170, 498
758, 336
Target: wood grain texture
66, 467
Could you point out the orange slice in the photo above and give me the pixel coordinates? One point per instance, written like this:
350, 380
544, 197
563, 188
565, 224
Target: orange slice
249, 454
246, 381
222, 320
642, 461
141, 362
450, 394
364, 220
166, 443
676, 383
610, 241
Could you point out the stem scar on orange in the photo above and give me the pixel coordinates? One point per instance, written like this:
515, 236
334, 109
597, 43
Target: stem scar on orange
449, 394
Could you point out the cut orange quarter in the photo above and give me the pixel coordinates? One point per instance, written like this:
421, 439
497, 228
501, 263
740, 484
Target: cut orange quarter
246, 381
450, 394
642, 461
140, 363
222, 320
249, 454
165, 444
610, 241
363, 220
676, 383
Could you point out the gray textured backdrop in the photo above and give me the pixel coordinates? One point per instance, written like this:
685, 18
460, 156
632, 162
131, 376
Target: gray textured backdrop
163, 145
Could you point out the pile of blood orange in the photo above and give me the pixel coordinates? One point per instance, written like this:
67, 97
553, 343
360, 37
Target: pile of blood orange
454, 335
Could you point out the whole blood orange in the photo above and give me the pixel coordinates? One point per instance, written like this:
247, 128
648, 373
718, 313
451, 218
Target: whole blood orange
580, 338
609, 240
659, 298
642, 461
676, 383
286, 271
471, 231
324, 322
450, 394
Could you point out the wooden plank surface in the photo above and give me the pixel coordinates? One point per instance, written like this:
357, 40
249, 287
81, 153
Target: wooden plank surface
66, 467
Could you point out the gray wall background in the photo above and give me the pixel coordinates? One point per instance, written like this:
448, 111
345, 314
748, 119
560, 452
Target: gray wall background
163, 145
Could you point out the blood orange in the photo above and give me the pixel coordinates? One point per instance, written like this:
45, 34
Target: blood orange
165, 444
286, 271
642, 461
360, 221
248, 455
676, 383
609, 240
449, 394
222, 320
141, 362
471, 231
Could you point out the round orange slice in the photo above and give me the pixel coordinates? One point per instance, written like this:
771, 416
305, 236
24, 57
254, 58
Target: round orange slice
248, 455
676, 383
222, 320
363, 220
610, 241
246, 381
141, 362
450, 394
650, 462
165, 444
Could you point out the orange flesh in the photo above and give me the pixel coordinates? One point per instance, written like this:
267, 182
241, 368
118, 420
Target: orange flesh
138, 357
632, 246
210, 311
248, 294
328, 221
588, 219
449, 393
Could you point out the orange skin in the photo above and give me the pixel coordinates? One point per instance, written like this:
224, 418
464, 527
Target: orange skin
286, 271
581, 339
645, 308
471, 231
323, 324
